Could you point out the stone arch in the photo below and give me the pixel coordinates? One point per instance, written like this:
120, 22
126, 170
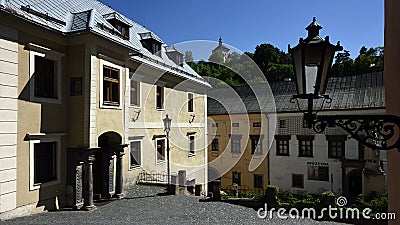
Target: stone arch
109, 138
103, 169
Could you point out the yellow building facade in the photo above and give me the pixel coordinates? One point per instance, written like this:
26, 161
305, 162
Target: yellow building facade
238, 151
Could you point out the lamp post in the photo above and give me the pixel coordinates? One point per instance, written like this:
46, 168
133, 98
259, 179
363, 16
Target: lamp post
167, 128
312, 59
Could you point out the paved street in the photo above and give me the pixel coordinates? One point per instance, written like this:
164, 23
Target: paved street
144, 206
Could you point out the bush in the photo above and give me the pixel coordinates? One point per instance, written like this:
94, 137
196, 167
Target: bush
300, 201
373, 201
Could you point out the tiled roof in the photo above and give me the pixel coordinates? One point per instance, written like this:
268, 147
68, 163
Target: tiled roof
351, 92
70, 16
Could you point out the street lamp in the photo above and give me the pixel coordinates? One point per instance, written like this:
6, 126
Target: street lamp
312, 59
167, 129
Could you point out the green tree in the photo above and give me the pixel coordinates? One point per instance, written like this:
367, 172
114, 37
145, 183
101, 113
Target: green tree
343, 65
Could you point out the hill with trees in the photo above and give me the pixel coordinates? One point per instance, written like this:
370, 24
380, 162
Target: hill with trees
276, 65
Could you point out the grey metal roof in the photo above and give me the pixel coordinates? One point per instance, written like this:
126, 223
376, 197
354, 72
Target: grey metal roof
69, 16
172, 49
351, 92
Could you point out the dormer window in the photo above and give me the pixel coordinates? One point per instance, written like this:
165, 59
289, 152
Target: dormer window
119, 23
151, 43
175, 55
122, 28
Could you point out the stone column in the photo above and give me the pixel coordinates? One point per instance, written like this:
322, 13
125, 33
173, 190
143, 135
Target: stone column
119, 183
88, 200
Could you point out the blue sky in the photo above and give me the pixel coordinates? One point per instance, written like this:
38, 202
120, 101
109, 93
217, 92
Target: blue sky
245, 24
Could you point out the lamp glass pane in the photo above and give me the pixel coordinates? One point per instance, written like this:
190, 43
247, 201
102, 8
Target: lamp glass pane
329, 53
297, 59
311, 78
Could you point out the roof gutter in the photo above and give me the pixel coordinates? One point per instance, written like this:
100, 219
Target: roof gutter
160, 67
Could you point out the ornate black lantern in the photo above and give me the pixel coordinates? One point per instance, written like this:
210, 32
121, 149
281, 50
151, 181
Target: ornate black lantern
167, 124
312, 59
167, 129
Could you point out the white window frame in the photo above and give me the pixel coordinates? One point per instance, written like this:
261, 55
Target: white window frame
36, 50
232, 138
194, 145
139, 93
141, 155
163, 97
42, 138
165, 150
112, 65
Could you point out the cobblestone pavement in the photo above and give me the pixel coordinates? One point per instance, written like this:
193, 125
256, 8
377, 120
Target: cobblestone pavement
145, 205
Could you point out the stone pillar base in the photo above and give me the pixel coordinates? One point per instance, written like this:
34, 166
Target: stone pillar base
119, 196
89, 208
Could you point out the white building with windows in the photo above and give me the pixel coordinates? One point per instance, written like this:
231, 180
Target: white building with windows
299, 160
302, 161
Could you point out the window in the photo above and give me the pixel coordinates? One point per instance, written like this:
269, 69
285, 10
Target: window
305, 146
121, 27
282, 123
235, 143
75, 86
236, 178
45, 74
336, 146
282, 145
191, 145
45, 160
151, 43
111, 83
257, 124
297, 180
135, 93
336, 149
256, 144
235, 124
214, 145
160, 147
45, 79
135, 154
156, 49
258, 181
214, 125
159, 97
190, 102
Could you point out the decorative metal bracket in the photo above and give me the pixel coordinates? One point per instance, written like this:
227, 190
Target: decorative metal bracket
379, 132
137, 116
191, 120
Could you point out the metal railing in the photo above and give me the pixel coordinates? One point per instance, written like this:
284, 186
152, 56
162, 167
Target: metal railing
242, 191
154, 177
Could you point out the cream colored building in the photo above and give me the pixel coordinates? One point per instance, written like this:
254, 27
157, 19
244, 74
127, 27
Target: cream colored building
66, 95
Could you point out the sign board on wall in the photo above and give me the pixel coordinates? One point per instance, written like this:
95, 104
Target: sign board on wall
318, 171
